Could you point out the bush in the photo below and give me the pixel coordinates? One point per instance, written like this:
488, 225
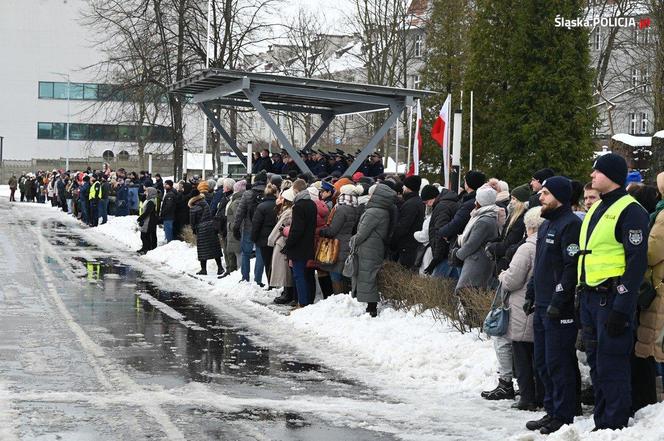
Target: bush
188, 235
404, 289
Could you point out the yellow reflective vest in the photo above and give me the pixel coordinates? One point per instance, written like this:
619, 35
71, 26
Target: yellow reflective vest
601, 256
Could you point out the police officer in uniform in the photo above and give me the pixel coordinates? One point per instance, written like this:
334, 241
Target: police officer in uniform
613, 259
550, 296
94, 196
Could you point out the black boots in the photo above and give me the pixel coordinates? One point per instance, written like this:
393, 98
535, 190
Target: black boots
372, 309
523, 405
504, 391
203, 271
326, 286
286, 297
552, 426
538, 424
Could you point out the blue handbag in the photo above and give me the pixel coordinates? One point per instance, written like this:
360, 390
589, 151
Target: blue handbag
498, 318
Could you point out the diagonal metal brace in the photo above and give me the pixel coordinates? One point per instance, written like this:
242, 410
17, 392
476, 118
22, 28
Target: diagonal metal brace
373, 142
224, 134
327, 120
253, 98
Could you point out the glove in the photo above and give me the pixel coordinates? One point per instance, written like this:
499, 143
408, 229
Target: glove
140, 223
529, 306
553, 312
323, 233
432, 267
237, 234
616, 323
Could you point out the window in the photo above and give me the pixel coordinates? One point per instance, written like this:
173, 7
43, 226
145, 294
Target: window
60, 91
90, 91
418, 46
635, 77
78, 131
645, 79
416, 81
644, 123
645, 35
632, 123
597, 38
75, 91
47, 130
45, 90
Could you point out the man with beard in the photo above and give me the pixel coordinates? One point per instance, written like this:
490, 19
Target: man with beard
550, 295
614, 257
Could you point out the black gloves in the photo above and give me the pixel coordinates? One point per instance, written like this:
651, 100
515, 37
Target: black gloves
553, 312
616, 323
237, 233
323, 233
529, 306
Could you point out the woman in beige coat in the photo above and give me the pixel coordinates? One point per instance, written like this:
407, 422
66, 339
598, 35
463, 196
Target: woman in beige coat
650, 334
514, 280
281, 275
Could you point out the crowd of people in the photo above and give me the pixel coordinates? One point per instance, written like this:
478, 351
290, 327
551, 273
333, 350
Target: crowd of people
579, 266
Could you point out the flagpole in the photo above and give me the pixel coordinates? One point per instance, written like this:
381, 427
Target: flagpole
446, 154
410, 136
470, 165
396, 152
207, 65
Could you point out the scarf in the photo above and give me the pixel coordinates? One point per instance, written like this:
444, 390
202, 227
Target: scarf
658, 208
347, 199
477, 213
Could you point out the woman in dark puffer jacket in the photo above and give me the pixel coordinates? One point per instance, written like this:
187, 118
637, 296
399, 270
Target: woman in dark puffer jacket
207, 241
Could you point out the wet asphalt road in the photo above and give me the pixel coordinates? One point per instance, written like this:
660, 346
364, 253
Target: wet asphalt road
91, 349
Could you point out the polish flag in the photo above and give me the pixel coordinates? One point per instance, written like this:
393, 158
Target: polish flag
414, 168
441, 134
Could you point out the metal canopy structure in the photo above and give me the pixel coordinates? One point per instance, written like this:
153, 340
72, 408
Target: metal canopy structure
267, 92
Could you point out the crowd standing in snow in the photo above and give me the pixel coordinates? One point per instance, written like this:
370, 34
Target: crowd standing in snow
577, 266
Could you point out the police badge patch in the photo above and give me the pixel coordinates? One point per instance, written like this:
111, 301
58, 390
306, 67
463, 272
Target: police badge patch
635, 237
572, 249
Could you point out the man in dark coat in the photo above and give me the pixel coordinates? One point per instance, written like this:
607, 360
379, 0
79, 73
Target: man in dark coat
536, 185
375, 166
167, 212
242, 227
300, 242
410, 219
550, 296
182, 208
444, 208
264, 163
264, 220
222, 228
147, 221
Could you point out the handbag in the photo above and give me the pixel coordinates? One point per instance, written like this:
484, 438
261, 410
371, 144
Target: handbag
327, 248
327, 251
498, 318
349, 263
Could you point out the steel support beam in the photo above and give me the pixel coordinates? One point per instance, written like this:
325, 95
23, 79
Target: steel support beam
358, 108
327, 120
332, 95
221, 91
224, 134
284, 107
373, 142
253, 97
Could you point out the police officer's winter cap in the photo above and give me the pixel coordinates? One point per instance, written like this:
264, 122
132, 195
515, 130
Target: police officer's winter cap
429, 192
613, 166
475, 179
276, 180
413, 183
522, 193
543, 174
560, 187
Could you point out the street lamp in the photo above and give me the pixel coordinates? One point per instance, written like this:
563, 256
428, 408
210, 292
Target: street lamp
68, 115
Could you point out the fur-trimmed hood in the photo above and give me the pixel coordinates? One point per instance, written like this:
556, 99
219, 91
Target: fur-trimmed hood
195, 199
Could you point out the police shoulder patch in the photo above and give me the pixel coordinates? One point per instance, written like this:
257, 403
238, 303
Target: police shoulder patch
572, 249
635, 237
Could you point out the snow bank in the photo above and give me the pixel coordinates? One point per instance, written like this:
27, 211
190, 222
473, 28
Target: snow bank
429, 374
633, 141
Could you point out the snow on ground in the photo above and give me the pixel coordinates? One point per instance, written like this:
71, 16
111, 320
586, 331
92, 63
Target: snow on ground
429, 374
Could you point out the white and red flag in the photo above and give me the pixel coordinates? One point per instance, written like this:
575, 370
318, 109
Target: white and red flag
441, 134
414, 168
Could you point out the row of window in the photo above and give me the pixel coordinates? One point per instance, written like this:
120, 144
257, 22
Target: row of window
102, 132
638, 36
79, 91
52, 90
